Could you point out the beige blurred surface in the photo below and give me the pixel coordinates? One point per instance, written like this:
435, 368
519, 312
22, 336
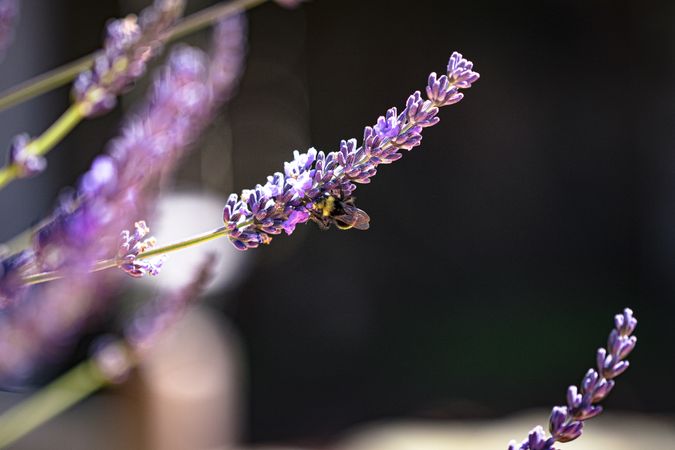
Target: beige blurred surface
188, 395
184, 396
613, 431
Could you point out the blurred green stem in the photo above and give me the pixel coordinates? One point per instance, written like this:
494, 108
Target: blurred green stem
66, 73
47, 140
70, 388
44, 277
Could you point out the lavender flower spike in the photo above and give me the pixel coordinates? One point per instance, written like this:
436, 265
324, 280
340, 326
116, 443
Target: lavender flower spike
566, 422
40, 323
128, 45
318, 186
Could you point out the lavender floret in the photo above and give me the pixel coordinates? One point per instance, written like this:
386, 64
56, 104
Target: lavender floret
131, 245
566, 422
299, 194
26, 163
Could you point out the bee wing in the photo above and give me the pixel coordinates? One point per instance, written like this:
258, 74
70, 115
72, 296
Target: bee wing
362, 221
353, 218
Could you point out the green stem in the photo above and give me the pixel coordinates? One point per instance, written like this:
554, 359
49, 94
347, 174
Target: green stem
200, 238
66, 73
47, 140
7, 174
71, 387
59, 129
44, 277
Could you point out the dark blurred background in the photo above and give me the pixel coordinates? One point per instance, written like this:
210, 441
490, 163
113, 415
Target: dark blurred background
499, 250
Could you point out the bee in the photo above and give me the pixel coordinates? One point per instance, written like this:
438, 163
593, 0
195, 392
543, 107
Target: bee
332, 209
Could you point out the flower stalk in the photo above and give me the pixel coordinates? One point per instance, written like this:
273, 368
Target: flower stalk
48, 140
60, 76
44, 277
70, 388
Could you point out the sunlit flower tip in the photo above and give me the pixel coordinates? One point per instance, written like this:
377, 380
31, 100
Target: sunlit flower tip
441, 91
625, 323
27, 164
460, 71
131, 246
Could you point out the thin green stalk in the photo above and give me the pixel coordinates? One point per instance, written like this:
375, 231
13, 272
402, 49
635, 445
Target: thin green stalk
63, 75
46, 141
200, 238
75, 113
70, 388
44, 277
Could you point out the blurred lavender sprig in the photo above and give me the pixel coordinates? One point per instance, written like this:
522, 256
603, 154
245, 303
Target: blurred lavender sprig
116, 357
318, 186
112, 194
155, 317
128, 45
9, 12
566, 422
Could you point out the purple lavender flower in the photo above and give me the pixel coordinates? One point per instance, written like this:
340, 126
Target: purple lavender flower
566, 422
131, 245
83, 229
318, 186
128, 45
9, 11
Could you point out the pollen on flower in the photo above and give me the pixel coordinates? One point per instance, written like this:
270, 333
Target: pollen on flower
131, 246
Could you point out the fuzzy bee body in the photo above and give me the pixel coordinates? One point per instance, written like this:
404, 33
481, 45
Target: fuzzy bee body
330, 209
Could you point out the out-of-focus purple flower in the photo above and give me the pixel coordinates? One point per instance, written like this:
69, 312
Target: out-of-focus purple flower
566, 422
318, 186
27, 164
115, 357
85, 226
157, 316
9, 12
228, 51
128, 45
